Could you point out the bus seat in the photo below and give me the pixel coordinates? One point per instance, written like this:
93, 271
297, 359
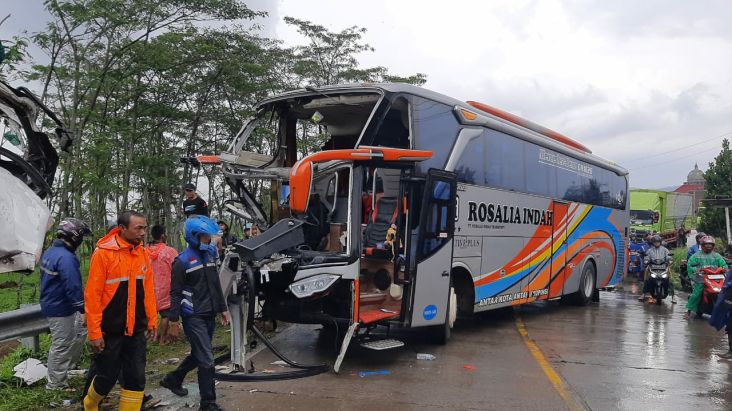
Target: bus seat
383, 216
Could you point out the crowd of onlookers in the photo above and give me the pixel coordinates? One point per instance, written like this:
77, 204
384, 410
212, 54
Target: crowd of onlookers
135, 293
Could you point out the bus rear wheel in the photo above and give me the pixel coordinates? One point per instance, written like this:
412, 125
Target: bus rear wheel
586, 286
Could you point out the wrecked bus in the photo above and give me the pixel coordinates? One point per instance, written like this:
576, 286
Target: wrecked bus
28, 162
411, 210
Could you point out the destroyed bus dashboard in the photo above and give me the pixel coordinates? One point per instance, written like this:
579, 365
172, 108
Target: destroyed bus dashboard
28, 162
375, 202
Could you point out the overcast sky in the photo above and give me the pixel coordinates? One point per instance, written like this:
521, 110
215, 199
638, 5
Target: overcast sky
647, 84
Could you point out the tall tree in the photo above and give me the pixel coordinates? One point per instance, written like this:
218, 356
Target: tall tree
718, 183
332, 57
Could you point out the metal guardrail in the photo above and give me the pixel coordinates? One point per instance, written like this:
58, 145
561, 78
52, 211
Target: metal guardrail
24, 322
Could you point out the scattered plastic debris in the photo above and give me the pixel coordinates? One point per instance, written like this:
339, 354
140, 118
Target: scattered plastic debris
426, 357
280, 363
253, 391
469, 367
172, 361
30, 371
363, 374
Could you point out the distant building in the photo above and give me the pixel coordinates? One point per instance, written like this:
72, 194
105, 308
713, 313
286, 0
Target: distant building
694, 185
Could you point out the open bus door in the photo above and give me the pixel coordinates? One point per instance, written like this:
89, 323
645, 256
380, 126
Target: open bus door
433, 301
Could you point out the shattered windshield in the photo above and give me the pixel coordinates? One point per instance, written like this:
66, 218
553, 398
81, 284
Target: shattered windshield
288, 130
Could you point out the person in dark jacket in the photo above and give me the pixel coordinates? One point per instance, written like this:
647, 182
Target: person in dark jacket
197, 297
722, 313
193, 203
62, 300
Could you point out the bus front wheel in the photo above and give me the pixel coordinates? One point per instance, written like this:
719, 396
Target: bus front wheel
441, 333
586, 286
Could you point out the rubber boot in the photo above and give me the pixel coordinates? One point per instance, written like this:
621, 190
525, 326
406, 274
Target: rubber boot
207, 387
92, 399
130, 400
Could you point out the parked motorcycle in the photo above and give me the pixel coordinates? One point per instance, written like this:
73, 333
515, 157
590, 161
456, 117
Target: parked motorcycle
658, 273
713, 283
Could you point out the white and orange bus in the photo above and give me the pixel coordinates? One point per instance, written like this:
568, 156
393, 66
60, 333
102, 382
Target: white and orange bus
414, 208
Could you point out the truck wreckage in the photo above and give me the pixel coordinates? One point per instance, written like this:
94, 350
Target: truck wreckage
28, 163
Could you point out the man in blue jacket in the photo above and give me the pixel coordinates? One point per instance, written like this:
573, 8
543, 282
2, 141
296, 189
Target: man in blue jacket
196, 297
62, 300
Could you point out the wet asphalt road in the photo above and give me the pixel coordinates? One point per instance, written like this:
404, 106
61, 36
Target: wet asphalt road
616, 354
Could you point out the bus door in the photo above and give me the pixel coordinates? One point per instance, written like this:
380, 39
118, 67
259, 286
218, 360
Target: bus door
560, 216
433, 250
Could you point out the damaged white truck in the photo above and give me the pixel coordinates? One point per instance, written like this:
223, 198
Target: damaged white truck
28, 162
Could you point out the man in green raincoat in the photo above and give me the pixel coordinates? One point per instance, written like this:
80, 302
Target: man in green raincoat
706, 257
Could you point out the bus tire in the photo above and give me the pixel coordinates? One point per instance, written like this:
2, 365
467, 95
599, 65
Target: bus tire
587, 285
441, 333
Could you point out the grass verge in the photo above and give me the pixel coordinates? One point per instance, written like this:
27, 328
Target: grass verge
17, 397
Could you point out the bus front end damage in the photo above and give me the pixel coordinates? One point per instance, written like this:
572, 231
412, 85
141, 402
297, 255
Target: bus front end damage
305, 265
28, 164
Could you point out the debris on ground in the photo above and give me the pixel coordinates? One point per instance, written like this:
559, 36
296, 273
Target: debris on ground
8, 284
280, 363
469, 367
30, 371
363, 374
426, 357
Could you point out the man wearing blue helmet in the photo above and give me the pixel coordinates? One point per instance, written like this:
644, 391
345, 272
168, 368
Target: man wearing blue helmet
196, 296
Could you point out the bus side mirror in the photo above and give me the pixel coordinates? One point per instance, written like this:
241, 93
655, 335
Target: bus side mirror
656, 217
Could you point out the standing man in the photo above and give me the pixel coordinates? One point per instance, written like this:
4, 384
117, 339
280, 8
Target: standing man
681, 237
707, 257
62, 300
193, 204
161, 260
120, 311
196, 296
226, 240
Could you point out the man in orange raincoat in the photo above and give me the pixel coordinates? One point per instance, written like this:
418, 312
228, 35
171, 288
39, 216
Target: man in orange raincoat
121, 313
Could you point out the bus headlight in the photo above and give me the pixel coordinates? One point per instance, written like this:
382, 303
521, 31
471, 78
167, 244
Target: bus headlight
312, 285
653, 275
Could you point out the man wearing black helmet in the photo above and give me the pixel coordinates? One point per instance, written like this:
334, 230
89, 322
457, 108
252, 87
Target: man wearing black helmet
62, 300
657, 252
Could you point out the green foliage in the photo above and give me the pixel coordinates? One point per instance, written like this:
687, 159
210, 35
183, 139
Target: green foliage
141, 84
718, 183
12, 54
331, 58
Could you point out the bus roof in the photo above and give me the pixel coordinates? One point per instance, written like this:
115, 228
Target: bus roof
541, 135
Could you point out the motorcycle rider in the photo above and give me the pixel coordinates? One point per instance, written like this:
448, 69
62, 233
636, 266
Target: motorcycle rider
694, 248
707, 257
656, 252
722, 313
